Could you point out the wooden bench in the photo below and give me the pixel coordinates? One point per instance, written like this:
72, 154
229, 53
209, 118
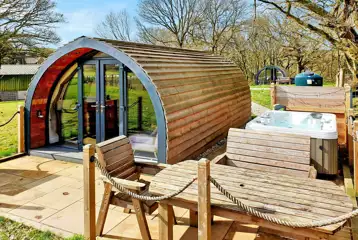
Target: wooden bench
116, 155
278, 153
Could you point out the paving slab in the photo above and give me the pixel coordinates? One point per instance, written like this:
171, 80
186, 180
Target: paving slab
60, 198
71, 218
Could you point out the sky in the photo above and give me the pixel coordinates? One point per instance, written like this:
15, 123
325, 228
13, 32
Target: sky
82, 16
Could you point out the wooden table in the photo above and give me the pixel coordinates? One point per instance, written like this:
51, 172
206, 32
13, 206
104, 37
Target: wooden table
282, 196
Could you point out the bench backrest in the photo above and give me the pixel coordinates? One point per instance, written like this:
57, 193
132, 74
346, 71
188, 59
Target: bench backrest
116, 155
271, 152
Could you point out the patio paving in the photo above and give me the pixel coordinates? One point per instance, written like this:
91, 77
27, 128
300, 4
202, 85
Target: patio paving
48, 195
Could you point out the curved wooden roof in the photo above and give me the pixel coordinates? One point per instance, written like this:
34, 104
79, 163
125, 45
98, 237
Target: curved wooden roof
202, 95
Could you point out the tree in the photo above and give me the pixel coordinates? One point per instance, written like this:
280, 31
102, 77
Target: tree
334, 20
178, 17
116, 25
220, 20
156, 36
26, 25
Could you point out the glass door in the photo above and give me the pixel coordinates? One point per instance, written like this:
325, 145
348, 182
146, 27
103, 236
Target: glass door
99, 94
110, 93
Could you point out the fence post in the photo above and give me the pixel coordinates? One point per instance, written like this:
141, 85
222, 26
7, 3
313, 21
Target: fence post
348, 97
273, 94
204, 204
140, 113
350, 133
21, 130
355, 156
89, 192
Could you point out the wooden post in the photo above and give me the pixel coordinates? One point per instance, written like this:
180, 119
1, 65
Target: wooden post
89, 193
348, 98
204, 204
350, 133
21, 130
273, 94
355, 153
166, 221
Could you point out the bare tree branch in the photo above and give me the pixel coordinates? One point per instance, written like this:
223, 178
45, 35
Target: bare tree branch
116, 25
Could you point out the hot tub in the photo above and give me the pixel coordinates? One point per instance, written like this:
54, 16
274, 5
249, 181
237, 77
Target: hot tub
321, 127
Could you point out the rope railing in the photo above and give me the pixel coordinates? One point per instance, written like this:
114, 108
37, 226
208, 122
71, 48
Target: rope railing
138, 196
8, 121
288, 223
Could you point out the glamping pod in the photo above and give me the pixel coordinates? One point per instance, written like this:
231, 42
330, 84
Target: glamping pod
172, 103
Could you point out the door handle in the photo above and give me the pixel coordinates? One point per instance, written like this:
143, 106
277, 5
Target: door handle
77, 106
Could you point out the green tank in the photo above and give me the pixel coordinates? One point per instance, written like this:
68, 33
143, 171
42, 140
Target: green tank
308, 79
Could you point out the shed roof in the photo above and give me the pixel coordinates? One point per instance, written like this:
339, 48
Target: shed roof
17, 69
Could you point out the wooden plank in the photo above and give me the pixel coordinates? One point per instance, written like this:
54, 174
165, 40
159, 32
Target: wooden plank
316, 109
271, 136
297, 153
266, 143
113, 143
236, 159
21, 130
264, 155
89, 193
166, 220
204, 204
118, 153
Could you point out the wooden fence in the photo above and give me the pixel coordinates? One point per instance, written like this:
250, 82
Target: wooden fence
316, 99
15, 83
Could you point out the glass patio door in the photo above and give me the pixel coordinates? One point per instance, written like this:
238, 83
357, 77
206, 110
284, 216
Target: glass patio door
102, 114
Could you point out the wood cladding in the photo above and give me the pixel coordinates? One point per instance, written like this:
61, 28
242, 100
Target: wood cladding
202, 95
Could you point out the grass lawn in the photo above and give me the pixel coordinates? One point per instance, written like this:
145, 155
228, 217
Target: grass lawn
8, 133
261, 97
18, 231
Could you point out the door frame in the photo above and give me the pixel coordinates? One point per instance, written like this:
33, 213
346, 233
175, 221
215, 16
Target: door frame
101, 98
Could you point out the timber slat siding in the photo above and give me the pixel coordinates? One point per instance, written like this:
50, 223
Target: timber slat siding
202, 95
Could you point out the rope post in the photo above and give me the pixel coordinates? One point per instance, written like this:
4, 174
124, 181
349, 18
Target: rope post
21, 130
273, 94
204, 204
89, 192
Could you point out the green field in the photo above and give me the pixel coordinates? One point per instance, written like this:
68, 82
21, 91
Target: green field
261, 97
8, 133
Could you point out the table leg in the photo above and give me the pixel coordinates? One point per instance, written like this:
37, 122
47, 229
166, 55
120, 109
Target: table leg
166, 220
193, 218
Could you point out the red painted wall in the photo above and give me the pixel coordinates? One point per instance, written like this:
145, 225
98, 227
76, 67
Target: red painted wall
42, 95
